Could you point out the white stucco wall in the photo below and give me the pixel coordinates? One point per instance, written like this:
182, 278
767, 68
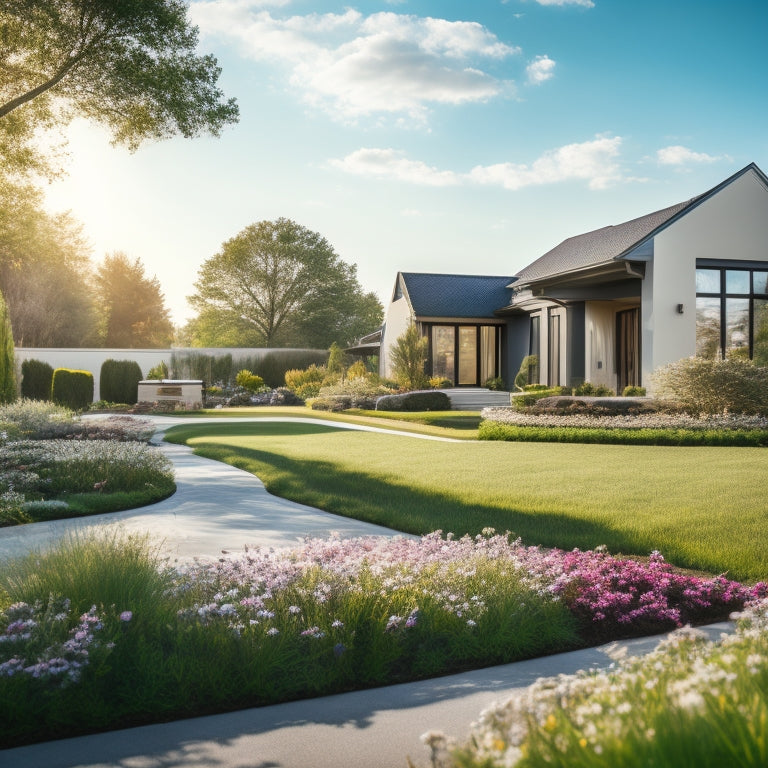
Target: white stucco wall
396, 322
86, 359
732, 224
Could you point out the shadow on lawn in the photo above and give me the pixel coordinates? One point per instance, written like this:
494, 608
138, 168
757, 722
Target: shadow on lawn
382, 501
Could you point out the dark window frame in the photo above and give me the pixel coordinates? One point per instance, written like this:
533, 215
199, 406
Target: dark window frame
427, 331
723, 267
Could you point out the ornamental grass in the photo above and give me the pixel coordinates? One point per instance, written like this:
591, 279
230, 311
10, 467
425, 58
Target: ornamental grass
329, 616
692, 703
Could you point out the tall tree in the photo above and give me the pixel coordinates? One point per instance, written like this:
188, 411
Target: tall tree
7, 363
133, 311
128, 64
44, 272
279, 284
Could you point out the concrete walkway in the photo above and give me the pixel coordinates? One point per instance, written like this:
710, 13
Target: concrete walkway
217, 509
220, 509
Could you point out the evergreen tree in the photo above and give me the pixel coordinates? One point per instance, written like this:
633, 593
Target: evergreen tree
7, 362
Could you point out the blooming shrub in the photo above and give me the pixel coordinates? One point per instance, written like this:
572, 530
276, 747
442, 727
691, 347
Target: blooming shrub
691, 702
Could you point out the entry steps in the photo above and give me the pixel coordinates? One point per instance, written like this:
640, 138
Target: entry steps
475, 398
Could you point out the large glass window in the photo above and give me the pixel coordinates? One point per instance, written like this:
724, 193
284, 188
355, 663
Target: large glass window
467, 355
443, 345
488, 352
731, 312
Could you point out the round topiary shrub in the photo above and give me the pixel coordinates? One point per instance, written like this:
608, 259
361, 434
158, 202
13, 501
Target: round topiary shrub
72, 389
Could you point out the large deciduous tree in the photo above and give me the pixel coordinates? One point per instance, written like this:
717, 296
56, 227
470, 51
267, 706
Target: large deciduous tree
133, 311
131, 65
278, 284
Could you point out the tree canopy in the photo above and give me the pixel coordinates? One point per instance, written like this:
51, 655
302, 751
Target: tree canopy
278, 284
133, 311
45, 271
128, 64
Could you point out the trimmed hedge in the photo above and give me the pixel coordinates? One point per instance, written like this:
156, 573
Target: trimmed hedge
72, 389
415, 401
755, 438
36, 380
119, 381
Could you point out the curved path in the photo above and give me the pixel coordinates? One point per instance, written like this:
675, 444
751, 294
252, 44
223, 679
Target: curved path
216, 509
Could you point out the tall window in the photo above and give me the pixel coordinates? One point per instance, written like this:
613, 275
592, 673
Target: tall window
732, 313
554, 351
534, 348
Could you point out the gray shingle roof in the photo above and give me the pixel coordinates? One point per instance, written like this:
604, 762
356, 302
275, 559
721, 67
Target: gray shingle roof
435, 295
598, 246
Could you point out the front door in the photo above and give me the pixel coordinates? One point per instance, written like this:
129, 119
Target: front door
628, 349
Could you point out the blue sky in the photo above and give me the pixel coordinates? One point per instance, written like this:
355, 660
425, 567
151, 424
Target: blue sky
462, 137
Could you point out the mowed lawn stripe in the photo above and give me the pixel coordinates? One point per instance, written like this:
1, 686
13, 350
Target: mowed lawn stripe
702, 508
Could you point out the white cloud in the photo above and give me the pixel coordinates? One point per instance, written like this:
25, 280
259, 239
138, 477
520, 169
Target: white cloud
678, 155
584, 3
354, 65
392, 164
540, 69
591, 161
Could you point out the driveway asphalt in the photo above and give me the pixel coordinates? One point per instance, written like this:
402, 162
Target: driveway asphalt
218, 509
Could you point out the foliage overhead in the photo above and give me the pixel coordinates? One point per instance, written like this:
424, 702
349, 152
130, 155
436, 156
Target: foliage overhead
133, 307
128, 64
278, 284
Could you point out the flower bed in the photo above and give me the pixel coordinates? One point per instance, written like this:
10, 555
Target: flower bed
46, 456
691, 702
660, 428
328, 616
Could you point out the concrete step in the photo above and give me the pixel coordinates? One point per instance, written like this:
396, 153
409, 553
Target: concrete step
475, 398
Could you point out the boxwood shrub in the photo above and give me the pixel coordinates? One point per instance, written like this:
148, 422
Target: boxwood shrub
72, 389
36, 380
119, 381
415, 401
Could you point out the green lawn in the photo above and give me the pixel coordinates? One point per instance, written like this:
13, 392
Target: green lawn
703, 508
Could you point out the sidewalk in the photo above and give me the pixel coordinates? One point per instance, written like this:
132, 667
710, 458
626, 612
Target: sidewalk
216, 509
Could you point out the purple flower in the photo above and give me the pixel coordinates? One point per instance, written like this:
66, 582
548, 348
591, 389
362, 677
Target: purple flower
126, 616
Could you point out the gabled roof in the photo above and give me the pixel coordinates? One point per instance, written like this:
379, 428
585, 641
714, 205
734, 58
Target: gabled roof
614, 242
436, 295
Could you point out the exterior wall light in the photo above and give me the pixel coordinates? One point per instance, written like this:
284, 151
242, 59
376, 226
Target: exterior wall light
680, 309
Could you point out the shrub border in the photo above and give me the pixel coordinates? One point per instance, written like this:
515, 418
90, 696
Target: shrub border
755, 438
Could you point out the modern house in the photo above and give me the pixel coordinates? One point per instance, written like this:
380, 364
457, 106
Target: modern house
608, 306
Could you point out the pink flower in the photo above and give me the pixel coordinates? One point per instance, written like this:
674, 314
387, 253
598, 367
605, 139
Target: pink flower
126, 615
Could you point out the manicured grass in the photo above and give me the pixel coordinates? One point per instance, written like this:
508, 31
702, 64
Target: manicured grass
703, 508
457, 425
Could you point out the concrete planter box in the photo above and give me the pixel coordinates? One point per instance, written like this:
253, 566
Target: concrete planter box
188, 393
